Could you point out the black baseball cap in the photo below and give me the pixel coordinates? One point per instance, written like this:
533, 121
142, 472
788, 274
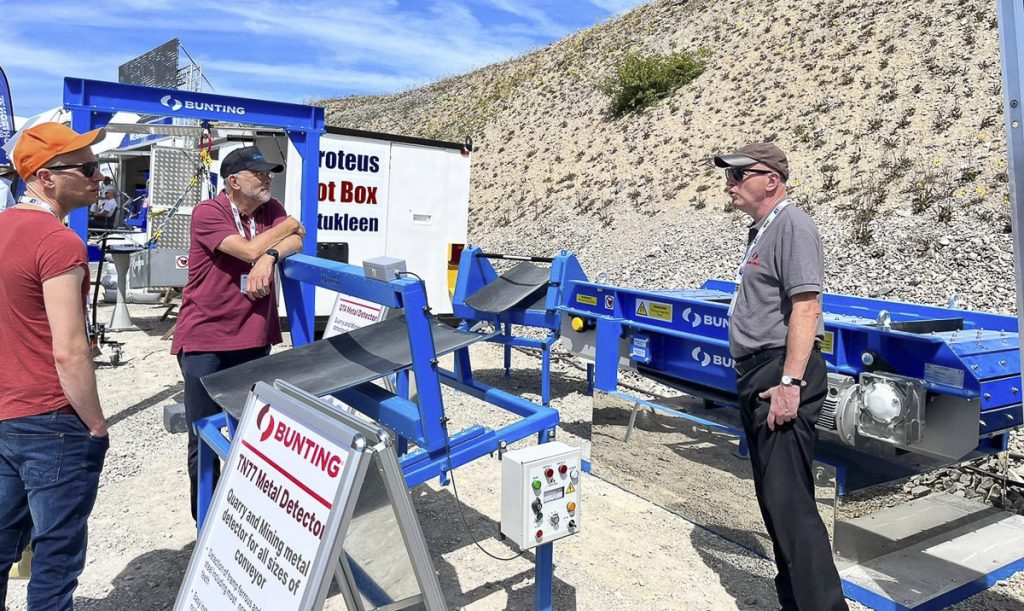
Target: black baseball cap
762, 152
247, 158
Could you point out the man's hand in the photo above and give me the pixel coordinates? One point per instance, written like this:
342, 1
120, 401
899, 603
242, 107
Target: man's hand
99, 430
785, 402
260, 276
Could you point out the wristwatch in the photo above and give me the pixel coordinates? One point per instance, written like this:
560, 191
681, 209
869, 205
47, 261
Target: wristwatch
273, 253
791, 381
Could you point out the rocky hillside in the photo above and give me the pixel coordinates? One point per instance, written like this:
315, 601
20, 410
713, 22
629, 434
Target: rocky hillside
891, 113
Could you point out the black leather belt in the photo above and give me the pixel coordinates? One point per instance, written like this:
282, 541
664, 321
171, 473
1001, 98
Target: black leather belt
748, 363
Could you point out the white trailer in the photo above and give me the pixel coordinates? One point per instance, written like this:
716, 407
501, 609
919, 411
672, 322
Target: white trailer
388, 195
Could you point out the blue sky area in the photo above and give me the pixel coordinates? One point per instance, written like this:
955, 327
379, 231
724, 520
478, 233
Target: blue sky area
289, 52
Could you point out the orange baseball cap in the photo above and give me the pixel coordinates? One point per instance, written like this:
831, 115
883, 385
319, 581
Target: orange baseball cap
40, 143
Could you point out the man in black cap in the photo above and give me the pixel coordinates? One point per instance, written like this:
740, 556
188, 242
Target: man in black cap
228, 308
775, 330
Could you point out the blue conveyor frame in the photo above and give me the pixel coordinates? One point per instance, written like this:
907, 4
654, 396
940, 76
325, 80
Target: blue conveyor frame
422, 422
476, 272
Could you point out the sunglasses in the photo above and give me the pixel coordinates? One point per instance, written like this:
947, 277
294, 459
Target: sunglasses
87, 169
738, 174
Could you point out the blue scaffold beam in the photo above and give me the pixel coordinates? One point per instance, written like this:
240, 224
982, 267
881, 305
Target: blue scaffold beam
107, 97
93, 104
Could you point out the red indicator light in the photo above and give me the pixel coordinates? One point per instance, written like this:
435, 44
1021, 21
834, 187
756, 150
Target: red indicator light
563, 469
549, 473
540, 534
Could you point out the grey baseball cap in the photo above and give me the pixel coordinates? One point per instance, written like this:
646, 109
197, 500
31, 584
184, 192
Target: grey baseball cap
762, 152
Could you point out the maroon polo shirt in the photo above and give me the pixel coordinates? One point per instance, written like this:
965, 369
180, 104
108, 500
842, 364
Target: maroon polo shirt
215, 315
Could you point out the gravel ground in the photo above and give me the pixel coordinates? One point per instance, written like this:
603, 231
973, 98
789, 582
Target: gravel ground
630, 554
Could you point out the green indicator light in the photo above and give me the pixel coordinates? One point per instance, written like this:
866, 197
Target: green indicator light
536, 484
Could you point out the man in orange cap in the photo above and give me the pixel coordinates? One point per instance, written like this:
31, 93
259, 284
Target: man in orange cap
53, 437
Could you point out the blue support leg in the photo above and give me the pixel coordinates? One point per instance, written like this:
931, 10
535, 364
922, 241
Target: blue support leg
545, 574
402, 383
743, 451
463, 368
205, 486
590, 379
506, 336
545, 375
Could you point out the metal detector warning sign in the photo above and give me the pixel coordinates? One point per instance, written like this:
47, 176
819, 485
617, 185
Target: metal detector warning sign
272, 523
654, 309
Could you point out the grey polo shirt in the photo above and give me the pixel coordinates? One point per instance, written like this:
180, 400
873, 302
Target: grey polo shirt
788, 261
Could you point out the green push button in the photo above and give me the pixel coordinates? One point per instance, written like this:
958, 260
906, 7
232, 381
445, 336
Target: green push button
536, 484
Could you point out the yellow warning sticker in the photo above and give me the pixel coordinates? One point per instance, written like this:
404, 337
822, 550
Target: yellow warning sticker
570, 489
587, 299
827, 344
654, 309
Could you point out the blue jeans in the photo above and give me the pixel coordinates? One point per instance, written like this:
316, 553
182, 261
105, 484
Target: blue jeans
49, 471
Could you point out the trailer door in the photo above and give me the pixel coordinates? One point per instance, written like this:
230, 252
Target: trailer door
429, 209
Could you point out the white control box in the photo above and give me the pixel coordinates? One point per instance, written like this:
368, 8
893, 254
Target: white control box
540, 493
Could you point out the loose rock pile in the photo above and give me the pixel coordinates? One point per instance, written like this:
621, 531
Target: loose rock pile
998, 480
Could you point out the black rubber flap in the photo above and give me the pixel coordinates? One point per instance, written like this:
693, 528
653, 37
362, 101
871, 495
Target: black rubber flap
510, 289
331, 364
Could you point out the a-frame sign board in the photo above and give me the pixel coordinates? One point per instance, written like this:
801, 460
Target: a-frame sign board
309, 493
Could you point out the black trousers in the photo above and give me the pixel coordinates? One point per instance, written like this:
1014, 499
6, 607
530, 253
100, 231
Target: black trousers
781, 460
199, 405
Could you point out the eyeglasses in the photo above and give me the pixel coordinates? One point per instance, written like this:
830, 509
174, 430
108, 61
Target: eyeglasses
738, 174
87, 169
261, 174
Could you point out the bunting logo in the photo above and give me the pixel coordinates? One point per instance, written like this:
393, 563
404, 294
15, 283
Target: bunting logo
172, 103
267, 432
175, 104
705, 358
697, 319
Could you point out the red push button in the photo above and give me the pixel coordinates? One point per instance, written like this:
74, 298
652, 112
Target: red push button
549, 473
540, 534
563, 469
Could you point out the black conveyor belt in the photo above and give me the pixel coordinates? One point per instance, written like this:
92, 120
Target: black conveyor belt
329, 365
510, 289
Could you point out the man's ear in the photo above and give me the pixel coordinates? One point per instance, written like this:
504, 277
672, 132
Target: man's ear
45, 178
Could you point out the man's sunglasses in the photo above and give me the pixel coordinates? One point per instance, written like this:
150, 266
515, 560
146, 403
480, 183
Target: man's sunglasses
738, 174
88, 168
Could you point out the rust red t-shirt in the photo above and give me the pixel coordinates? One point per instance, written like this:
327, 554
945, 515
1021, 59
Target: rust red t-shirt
215, 315
34, 246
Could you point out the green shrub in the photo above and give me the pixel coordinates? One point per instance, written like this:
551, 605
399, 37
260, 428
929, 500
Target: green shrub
639, 81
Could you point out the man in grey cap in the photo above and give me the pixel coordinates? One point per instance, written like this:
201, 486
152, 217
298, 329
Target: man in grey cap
775, 329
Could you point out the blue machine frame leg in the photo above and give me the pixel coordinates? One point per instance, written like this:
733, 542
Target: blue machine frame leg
545, 573
507, 336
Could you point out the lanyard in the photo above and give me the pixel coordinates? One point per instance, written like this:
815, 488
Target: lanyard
31, 201
750, 250
238, 222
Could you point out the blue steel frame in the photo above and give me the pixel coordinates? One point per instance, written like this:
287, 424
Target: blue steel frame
692, 344
423, 423
93, 104
476, 272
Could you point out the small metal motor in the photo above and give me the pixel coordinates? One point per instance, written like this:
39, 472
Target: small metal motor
882, 406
